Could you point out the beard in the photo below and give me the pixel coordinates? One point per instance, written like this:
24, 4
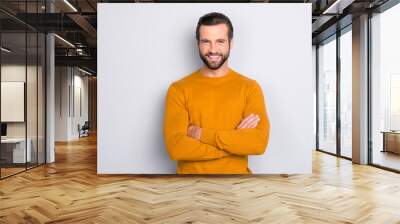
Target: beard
214, 65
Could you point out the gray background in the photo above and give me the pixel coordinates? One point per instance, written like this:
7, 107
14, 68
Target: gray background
142, 48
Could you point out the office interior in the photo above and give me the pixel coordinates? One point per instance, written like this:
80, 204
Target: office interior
49, 93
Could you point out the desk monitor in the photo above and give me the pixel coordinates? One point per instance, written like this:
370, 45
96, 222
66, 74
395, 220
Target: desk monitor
3, 129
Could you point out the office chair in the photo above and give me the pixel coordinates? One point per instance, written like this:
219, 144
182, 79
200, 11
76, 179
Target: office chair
84, 130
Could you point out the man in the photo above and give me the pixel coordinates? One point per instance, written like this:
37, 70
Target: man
215, 117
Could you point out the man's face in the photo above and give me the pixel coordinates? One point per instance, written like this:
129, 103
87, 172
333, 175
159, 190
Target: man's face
214, 45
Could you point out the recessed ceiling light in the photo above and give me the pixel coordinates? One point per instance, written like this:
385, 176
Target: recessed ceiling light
337, 7
5, 50
84, 71
64, 40
70, 5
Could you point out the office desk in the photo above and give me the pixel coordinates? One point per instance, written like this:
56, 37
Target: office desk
391, 141
13, 150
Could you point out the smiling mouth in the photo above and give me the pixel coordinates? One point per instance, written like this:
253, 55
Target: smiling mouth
214, 57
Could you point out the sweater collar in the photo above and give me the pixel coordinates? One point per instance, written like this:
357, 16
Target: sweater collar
227, 76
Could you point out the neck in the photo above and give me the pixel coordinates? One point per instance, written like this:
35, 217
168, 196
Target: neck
222, 71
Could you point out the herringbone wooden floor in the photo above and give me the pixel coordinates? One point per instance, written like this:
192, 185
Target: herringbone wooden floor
70, 191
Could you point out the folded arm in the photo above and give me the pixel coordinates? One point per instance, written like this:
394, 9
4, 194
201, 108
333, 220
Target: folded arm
176, 121
244, 141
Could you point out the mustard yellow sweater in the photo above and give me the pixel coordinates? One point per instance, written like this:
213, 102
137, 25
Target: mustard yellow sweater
217, 105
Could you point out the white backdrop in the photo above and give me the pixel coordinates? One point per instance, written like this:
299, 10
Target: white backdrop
12, 101
143, 47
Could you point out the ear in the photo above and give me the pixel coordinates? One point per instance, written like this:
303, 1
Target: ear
231, 43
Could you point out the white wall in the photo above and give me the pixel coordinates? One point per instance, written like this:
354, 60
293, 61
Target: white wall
142, 48
79, 117
314, 73
67, 117
62, 80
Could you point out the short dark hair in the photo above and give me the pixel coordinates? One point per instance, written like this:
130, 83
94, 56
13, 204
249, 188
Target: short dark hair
214, 18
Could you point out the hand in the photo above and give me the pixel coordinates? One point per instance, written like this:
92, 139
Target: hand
250, 121
194, 131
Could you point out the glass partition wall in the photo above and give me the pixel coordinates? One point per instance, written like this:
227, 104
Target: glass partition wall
334, 80
327, 95
334, 102
22, 108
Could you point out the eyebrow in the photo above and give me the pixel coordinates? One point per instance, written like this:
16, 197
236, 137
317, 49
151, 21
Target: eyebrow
209, 40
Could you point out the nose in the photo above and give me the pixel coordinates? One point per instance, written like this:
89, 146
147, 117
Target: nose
212, 48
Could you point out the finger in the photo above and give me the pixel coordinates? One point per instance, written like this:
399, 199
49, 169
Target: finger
245, 120
255, 118
189, 131
254, 124
246, 124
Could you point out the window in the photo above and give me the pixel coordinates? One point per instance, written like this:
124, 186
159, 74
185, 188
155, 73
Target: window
327, 96
385, 88
346, 93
